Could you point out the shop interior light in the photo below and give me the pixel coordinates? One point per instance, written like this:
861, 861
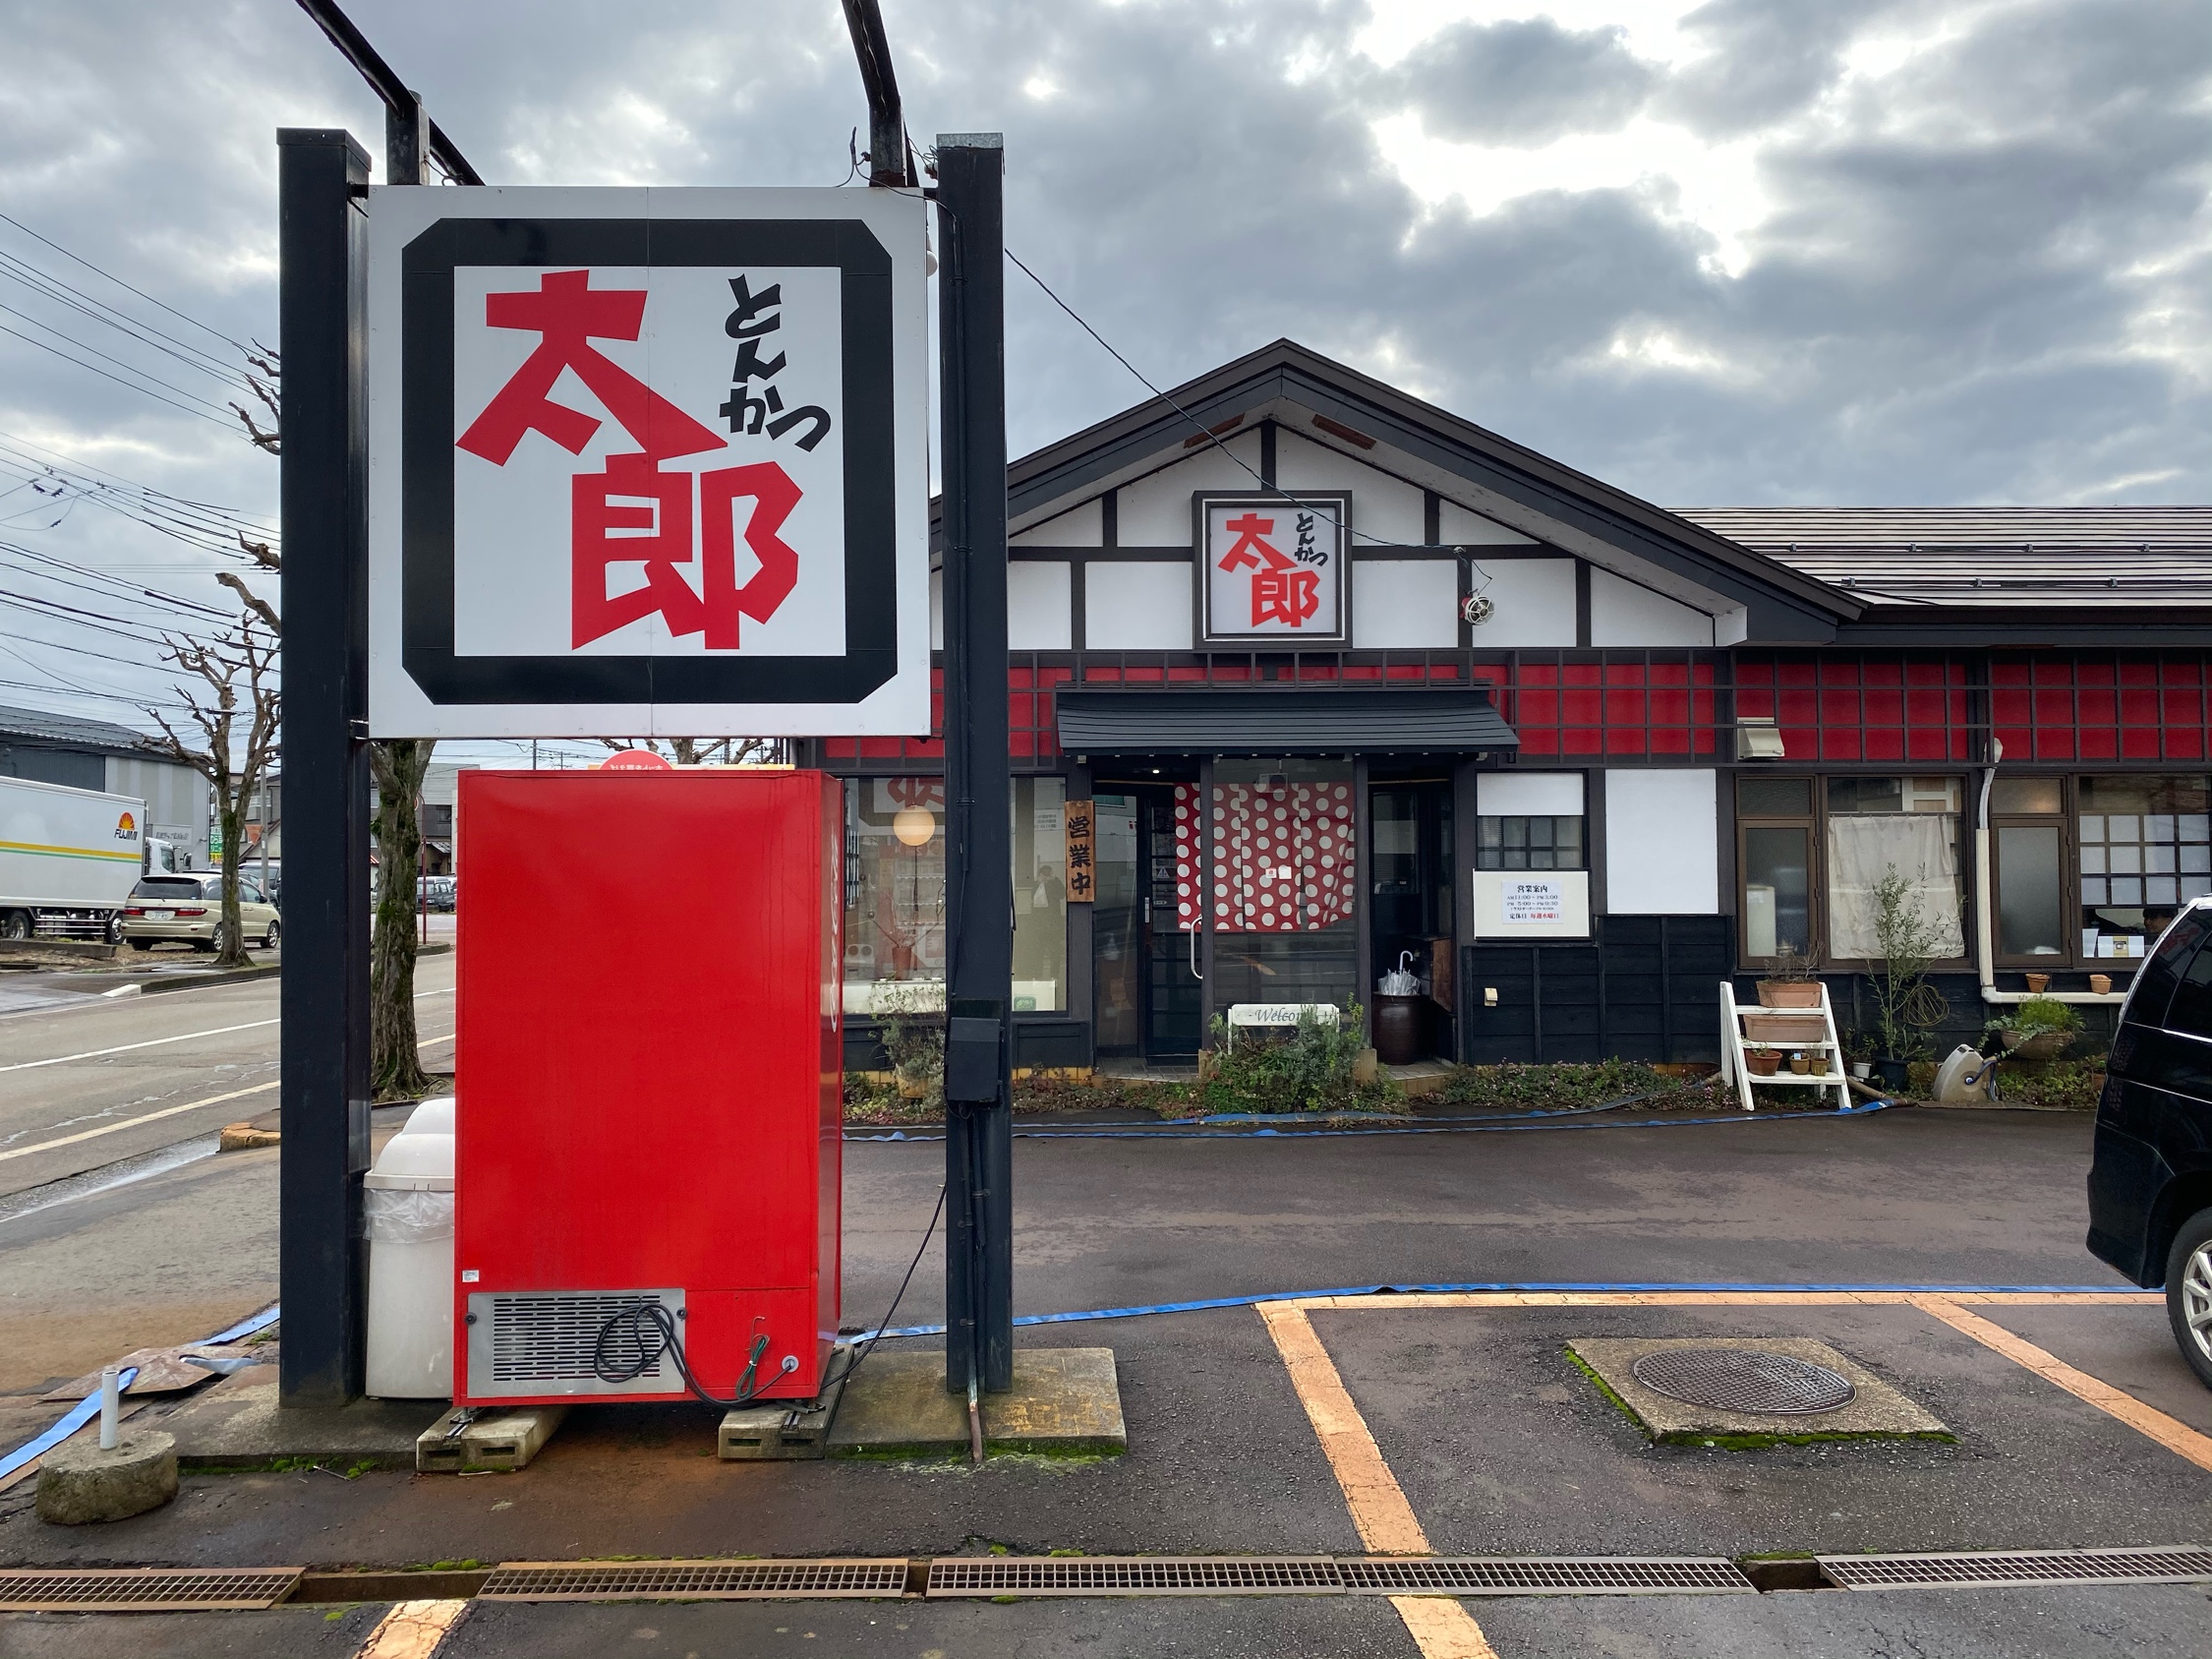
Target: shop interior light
914, 826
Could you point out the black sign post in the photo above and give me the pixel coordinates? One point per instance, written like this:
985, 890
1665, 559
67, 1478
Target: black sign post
323, 236
978, 874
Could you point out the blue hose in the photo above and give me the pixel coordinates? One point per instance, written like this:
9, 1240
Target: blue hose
86, 1410
1516, 1124
1215, 1303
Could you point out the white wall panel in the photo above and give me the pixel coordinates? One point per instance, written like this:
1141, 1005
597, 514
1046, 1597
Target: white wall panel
1624, 614
1535, 600
1663, 849
1404, 602
1037, 615
1383, 509
1156, 512
1078, 526
1458, 527
1529, 794
1132, 605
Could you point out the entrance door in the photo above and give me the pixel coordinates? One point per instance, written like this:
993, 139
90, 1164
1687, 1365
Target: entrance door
1148, 989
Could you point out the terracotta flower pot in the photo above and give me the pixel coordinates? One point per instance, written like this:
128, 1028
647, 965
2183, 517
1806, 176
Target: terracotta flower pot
2038, 983
1820, 1065
1785, 1027
1800, 1065
1761, 1065
1789, 994
2037, 1045
2101, 984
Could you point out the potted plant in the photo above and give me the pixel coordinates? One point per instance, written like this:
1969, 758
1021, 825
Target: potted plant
2037, 984
1905, 1004
1821, 1062
1858, 1054
1789, 981
1800, 1064
1762, 1061
2041, 1028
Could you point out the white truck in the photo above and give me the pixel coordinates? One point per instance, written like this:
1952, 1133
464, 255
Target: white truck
69, 857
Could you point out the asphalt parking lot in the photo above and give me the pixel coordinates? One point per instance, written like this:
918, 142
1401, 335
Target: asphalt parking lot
1490, 1439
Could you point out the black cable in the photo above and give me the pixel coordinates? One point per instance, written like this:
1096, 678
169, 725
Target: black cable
884, 1323
645, 1312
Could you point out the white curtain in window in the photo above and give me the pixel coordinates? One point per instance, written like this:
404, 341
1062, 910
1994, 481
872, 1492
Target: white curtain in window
1861, 847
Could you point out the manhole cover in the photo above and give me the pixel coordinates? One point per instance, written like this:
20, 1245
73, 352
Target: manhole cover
1747, 1380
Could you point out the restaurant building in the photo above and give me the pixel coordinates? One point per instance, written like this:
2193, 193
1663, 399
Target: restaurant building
1310, 681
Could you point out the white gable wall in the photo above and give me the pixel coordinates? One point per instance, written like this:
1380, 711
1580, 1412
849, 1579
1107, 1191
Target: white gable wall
1458, 527
1404, 603
1622, 613
1155, 510
1384, 508
1038, 617
1132, 605
1535, 600
1083, 525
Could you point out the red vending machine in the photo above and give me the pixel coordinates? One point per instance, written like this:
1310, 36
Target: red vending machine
651, 1080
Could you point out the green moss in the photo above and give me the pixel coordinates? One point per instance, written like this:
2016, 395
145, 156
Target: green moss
1606, 1388
1743, 1441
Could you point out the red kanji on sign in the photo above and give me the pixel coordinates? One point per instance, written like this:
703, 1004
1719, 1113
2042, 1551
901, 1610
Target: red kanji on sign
1249, 528
1288, 596
632, 512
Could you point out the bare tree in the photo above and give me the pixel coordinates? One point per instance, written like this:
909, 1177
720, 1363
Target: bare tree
398, 766
227, 684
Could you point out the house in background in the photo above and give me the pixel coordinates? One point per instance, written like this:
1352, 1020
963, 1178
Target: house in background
1349, 681
96, 755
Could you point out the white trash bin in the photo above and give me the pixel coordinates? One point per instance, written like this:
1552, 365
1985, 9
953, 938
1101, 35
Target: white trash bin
433, 1116
408, 1205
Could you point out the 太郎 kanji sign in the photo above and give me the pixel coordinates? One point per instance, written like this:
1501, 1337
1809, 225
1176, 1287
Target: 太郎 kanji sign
647, 462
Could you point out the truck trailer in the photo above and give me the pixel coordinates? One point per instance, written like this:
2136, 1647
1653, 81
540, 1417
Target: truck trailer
68, 858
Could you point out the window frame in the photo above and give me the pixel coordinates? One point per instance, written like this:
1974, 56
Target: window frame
1815, 824
2069, 877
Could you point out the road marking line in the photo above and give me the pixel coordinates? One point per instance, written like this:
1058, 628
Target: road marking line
126, 1047
412, 1630
134, 1122
166, 1111
187, 1036
2177, 1437
1441, 1627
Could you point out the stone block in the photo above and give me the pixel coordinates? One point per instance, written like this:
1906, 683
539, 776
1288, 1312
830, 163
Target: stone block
80, 1483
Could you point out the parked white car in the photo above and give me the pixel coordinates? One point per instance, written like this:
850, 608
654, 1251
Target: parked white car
189, 909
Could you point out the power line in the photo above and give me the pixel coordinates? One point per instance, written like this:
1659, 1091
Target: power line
70, 463
120, 283
1210, 436
48, 287
105, 357
117, 379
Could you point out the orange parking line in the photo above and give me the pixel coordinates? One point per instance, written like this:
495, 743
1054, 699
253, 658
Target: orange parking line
1440, 1628
2177, 1437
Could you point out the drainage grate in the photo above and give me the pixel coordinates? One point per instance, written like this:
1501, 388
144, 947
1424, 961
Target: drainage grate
1544, 1576
148, 1589
2173, 1564
1135, 1575
692, 1580
1748, 1380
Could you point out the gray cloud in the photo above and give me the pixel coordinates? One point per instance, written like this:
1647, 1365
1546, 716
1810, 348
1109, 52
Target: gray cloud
1982, 278
1525, 81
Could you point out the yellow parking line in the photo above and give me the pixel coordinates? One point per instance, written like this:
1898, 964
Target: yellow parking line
2177, 1437
1713, 1299
1442, 1629
412, 1630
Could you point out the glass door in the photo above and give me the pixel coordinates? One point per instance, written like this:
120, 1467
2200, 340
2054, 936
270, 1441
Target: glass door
1147, 996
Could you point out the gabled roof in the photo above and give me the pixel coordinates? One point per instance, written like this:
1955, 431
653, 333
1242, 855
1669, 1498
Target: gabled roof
2099, 556
69, 731
1338, 407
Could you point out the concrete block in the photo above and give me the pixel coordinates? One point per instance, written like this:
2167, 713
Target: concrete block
783, 1430
1065, 1401
504, 1438
1879, 1411
237, 1424
80, 1483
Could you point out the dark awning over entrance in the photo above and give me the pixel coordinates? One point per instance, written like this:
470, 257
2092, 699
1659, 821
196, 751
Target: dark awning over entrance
1287, 721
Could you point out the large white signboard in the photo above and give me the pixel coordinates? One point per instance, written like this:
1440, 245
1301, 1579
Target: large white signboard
1274, 567
647, 462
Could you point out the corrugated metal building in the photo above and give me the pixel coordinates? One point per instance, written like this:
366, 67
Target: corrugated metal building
98, 754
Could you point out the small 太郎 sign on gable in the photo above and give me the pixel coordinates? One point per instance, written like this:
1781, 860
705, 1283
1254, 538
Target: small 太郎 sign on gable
1273, 568
647, 462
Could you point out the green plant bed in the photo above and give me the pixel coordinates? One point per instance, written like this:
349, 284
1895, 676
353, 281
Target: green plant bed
1310, 1067
2071, 1085
1555, 1088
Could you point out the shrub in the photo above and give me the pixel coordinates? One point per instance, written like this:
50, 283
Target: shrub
1307, 1068
1552, 1088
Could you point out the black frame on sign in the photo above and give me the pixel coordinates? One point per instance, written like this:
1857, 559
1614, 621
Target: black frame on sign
427, 439
1202, 598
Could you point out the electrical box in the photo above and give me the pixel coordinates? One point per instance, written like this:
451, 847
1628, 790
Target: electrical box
650, 1083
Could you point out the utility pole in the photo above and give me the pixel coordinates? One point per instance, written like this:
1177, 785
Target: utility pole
979, 881
889, 163
324, 1088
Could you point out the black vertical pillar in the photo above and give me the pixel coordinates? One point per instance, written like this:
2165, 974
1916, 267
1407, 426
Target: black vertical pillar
322, 288
978, 878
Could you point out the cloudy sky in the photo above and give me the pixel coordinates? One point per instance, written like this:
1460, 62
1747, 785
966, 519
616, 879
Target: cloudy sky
1753, 250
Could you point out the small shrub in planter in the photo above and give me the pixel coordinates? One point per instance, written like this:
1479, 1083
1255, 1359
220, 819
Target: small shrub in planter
1762, 1062
2041, 1028
1790, 983
1310, 1067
